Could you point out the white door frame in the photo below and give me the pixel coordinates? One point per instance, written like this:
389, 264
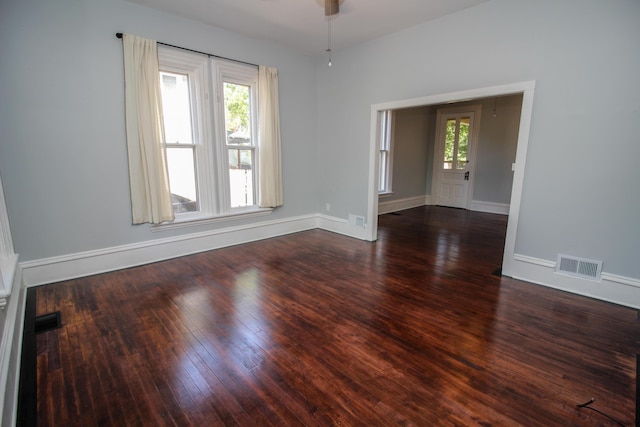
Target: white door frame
438, 152
526, 88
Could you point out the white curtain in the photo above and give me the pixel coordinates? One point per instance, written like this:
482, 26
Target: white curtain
149, 180
269, 158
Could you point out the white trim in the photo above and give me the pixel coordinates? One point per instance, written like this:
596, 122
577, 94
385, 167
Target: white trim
81, 264
612, 288
342, 226
629, 281
252, 212
402, 204
526, 88
8, 269
8, 257
489, 207
65, 267
518, 176
11, 352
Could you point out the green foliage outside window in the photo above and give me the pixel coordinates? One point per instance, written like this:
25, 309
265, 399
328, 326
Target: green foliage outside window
463, 143
236, 103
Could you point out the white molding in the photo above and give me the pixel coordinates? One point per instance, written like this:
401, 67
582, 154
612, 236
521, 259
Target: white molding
8, 268
65, 267
629, 281
489, 207
11, 352
195, 221
526, 113
342, 226
611, 288
402, 204
8, 257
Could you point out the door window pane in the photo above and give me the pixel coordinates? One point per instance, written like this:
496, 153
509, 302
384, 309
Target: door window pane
463, 143
449, 143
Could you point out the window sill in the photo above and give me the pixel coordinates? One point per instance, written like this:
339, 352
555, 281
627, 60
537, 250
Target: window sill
196, 221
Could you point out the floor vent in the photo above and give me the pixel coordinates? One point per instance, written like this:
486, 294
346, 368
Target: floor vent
579, 267
47, 322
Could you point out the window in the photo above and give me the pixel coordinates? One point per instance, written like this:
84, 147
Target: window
386, 153
209, 108
456, 143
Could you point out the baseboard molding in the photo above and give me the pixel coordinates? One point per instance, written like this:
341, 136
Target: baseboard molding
402, 204
489, 207
341, 226
611, 288
414, 202
10, 351
66, 267
55, 269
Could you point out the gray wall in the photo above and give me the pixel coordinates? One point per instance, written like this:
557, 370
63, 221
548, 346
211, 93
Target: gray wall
62, 139
580, 191
62, 146
412, 152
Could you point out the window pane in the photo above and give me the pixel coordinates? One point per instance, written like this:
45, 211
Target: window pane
241, 177
463, 142
182, 179
237, 116
176, 106
382, 183
449, 143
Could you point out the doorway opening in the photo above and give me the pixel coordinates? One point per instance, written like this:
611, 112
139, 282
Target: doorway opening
526, 89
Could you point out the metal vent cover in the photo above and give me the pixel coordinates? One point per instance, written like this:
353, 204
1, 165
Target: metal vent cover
579, 267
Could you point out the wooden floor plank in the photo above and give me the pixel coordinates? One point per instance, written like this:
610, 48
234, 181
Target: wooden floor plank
314, 328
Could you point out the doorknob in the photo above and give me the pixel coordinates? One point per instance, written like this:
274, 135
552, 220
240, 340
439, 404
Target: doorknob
466, 176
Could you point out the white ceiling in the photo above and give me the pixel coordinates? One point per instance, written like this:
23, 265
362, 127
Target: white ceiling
301, 24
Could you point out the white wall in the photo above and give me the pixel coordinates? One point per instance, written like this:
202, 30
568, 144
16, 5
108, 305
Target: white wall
580, 190
62, 140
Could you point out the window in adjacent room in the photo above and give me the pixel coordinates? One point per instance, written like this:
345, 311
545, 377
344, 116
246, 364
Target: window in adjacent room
386, 152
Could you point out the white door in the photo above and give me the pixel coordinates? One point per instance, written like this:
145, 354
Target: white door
454, 155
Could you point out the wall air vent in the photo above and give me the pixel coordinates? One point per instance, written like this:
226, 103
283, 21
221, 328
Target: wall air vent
579, 267
356, 221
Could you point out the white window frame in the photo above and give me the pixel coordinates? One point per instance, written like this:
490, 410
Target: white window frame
386, 125
231, 72
206, 77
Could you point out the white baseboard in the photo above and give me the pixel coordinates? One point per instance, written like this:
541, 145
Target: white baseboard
55, 269
402, 204
414, 202
11, 351
341, 226
612, 288
489, 207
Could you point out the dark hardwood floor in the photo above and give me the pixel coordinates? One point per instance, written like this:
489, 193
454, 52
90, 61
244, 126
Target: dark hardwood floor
319, 329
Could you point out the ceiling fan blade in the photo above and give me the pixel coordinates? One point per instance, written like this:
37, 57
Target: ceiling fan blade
331, 7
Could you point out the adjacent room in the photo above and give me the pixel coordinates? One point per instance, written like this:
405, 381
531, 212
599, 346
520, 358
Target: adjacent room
319, 212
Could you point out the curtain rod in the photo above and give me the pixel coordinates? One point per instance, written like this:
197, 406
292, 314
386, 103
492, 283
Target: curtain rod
119, 35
